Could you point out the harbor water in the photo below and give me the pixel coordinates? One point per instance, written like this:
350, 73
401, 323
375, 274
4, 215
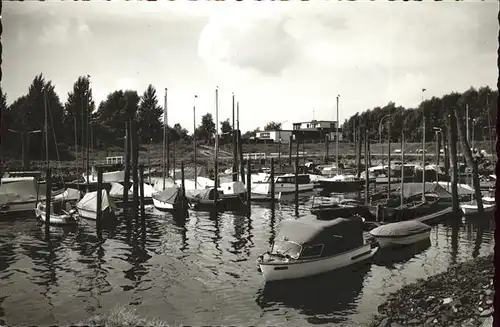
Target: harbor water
202, 271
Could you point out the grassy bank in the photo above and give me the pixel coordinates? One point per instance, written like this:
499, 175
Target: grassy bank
123, 317
461, 296
205, 153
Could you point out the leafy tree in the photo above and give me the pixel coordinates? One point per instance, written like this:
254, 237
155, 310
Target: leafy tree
148, 116
272, 126
207, 128
226, 130
79, 106
118, 108
178, 133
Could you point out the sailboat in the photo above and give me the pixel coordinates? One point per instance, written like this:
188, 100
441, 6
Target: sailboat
60, 210
170, 197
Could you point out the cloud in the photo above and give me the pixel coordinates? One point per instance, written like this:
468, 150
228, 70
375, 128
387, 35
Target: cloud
55, 32
248, 42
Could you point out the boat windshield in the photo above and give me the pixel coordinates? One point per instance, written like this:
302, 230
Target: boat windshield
287, 248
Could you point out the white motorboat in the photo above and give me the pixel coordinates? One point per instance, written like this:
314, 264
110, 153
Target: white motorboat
401, 233
58, 216
471, 209
87, 206
170, 199
307, 246
286, 184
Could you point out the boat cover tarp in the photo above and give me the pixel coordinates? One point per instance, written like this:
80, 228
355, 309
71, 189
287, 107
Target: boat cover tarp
463, 189
402, 228
200, 194
89, 202
148, 190
413, 189
69, 194
158, 183
309, 230
117, 190
168, 195
20, 191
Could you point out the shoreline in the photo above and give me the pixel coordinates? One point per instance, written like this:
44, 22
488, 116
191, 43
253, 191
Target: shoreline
462, 296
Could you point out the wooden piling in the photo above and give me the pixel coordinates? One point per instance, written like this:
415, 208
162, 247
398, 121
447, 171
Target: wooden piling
271, 178
48, 196
452, 148
126, 181
327, 148
135, 158
99, 201
183, 190
297, 180
249, 184
240, 151
367, 173
141, 192
389, 158
402, 168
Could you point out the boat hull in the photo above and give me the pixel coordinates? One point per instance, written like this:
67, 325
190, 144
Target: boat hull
387, 241
290, 188
340, 186
18, 208
168, 207
91, 215
471, 209
300, 269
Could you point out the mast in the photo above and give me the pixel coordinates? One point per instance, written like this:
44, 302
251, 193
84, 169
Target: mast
337, 137
216, 163
87, 139
423, 147
194, 143
402, 167
164, 138
46, 129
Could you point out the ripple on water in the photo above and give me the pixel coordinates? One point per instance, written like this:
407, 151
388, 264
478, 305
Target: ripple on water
202, 270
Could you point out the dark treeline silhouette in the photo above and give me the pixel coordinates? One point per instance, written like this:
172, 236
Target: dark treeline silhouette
482, 104
22, 122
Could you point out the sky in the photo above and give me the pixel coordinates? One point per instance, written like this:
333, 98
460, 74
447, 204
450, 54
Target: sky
284, 61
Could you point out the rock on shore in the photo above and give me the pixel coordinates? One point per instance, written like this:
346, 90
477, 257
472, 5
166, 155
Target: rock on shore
459, 297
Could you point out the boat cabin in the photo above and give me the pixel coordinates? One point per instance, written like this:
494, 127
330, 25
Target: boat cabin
290, 179
308, 238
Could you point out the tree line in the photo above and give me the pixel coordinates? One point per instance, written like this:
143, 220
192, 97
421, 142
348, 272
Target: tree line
482, 112
77, 121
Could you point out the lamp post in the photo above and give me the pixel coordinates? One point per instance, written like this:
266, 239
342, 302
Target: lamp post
423, 146
474, 120
437, 131
279, 143
23, 133
380, 132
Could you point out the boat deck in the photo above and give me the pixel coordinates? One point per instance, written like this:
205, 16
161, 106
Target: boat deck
436, 216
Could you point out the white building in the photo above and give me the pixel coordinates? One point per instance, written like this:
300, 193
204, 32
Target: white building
274, 136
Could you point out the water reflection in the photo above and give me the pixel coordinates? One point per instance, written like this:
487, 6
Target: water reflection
173, 266
387, 257
325, 298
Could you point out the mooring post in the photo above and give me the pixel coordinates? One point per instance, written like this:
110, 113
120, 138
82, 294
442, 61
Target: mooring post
367, 173
48, 196
135, 158
99, 202
126, 181
240, 151
141, 191
249, 184
183, 190
271, 177
296, 180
